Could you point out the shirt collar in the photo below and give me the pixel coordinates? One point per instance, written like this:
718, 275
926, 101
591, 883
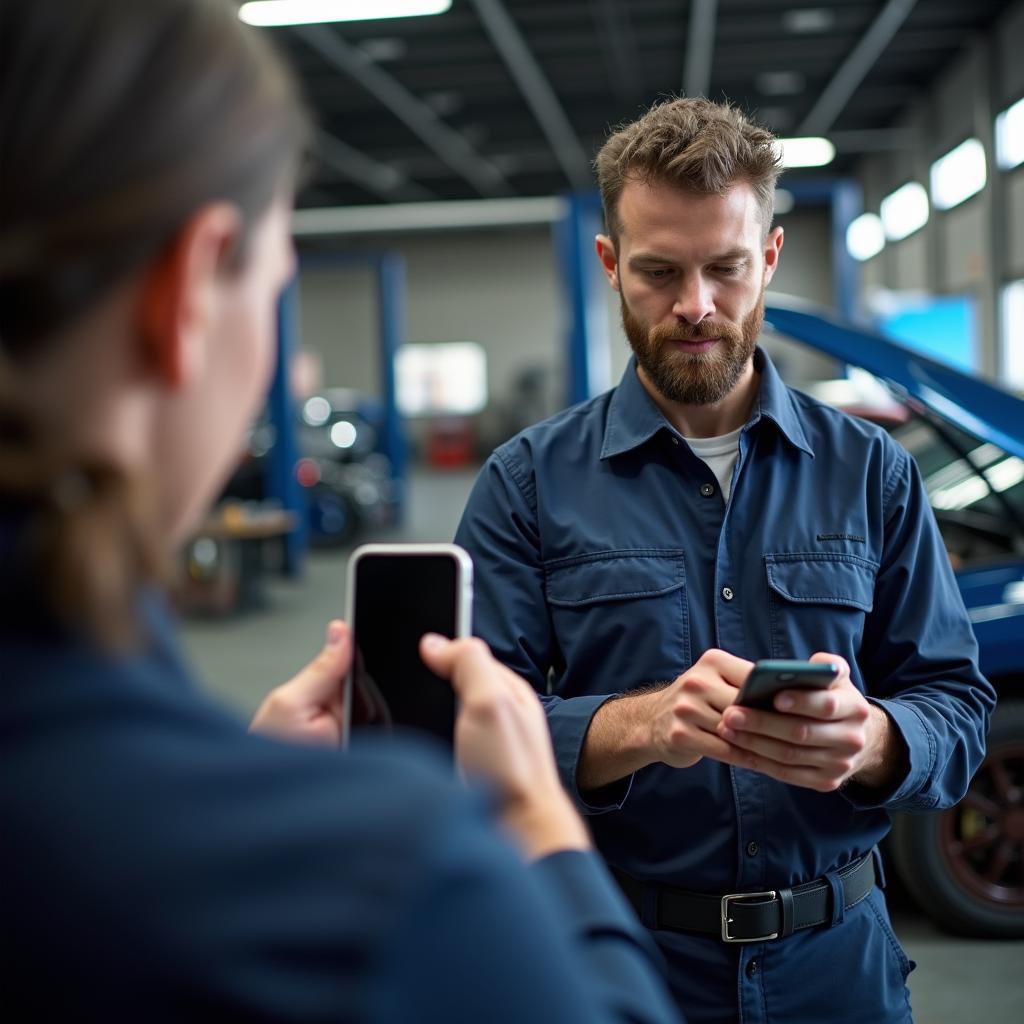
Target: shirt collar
633, 418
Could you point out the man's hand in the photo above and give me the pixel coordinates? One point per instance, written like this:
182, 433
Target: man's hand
308, 708
502, 737
819, 739
676, 725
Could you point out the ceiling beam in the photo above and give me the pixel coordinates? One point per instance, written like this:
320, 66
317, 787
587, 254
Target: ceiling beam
620, 43
700, 45
855, 67
443, 140
471, 214
537, 91
381, 179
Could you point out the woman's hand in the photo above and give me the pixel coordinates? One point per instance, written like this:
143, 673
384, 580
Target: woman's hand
308, 708
501, 736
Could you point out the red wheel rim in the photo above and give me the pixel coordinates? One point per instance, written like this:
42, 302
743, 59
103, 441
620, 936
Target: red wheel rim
982, 838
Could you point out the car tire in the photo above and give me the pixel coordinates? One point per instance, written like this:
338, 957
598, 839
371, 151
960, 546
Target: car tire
333, 519
964, 867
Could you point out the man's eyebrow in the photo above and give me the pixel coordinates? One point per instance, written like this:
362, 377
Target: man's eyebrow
732, 256
735, 255
648, 257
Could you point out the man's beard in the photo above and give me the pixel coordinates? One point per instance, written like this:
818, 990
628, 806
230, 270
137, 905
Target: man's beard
694, 378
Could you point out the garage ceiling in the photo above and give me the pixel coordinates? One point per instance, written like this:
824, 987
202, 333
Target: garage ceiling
513, 97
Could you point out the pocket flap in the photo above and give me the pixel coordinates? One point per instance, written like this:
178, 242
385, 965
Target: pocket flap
819, 578
592, 579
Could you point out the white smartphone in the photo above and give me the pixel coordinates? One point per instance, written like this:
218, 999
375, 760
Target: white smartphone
396, 593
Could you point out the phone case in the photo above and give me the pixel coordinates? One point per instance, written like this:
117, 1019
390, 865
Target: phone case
463, 596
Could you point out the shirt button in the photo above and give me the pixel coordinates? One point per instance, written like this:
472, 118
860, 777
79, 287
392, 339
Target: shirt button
727, 593
751, 968
707, 490
675, 440
752, 848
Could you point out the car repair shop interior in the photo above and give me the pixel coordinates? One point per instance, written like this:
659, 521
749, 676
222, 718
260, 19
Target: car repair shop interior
447, 296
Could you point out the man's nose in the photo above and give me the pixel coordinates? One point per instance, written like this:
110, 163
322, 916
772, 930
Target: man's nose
694, 301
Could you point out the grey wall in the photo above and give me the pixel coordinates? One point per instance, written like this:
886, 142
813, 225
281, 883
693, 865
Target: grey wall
978, 246
501, 289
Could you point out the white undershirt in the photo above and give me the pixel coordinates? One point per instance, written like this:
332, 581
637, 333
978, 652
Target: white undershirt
720, 454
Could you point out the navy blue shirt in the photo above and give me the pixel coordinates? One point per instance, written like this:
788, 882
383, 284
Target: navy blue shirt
606, 559
160, 864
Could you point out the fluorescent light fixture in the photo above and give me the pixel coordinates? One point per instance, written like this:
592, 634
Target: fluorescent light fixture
1012, 341
809, 151
865, 237
1010, 136
904, 211
311, 12
784, 201
958, 175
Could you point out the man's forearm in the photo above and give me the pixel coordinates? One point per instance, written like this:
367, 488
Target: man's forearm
617, 742
887, 763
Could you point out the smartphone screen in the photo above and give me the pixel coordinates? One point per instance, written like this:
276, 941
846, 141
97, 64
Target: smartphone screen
767, 678
397, 596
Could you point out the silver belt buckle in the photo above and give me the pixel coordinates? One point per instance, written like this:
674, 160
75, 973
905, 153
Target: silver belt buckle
727, 920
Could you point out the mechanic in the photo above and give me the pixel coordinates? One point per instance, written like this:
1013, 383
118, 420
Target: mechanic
636, 553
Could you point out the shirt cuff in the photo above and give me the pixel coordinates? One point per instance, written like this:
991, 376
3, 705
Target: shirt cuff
569, 721
917, 740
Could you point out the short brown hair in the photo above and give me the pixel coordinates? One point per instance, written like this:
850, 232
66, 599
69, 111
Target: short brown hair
692, 143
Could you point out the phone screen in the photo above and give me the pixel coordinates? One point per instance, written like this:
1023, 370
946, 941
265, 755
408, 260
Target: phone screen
398, 598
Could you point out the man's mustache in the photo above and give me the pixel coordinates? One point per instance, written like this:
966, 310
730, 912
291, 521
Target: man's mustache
694, 332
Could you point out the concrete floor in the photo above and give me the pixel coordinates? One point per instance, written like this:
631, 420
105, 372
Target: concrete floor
957, 981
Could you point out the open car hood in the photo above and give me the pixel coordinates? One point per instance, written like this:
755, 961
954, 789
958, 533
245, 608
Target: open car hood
974, 406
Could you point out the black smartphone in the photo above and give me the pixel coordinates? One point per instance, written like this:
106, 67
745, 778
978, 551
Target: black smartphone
768, 678
396, 593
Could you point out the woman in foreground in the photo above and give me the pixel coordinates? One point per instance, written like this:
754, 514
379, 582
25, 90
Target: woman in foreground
159, 862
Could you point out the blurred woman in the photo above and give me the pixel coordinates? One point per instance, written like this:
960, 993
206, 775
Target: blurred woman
158, 862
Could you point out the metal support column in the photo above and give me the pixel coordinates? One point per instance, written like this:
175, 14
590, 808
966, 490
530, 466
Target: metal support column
391, 306
589, 343
281, 482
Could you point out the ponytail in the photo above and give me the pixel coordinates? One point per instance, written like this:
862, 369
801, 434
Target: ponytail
118, 120
87, 531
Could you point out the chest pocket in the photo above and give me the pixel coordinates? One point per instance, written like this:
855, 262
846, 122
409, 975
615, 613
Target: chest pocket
818, 602
620, 618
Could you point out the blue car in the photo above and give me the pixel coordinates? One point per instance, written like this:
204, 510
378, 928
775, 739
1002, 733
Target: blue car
965, 866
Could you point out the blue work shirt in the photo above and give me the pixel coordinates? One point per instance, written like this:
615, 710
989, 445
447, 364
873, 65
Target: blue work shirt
158, 863
606, 559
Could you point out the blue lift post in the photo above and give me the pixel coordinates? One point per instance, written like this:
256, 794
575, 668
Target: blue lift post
281, 482
587, 330
574, 235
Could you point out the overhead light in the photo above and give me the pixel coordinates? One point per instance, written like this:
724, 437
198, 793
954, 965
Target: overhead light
310, 12
1010, 136
1012, 342
784, 201
382, 50
780, 83
904, 211
865, 237
809, 151
958, 175
809, 19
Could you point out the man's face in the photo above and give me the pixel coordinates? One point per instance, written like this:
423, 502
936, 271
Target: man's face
691, 272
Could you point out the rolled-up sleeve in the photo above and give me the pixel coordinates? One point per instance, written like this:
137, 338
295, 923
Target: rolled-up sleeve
919, 657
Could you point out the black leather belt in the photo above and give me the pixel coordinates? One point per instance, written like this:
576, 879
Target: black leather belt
749, 916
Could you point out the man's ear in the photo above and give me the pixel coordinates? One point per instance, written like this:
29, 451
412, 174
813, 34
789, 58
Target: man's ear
772, 250
609, 259
180, 293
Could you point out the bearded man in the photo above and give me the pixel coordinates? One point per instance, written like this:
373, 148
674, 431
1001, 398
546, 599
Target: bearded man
637, 553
